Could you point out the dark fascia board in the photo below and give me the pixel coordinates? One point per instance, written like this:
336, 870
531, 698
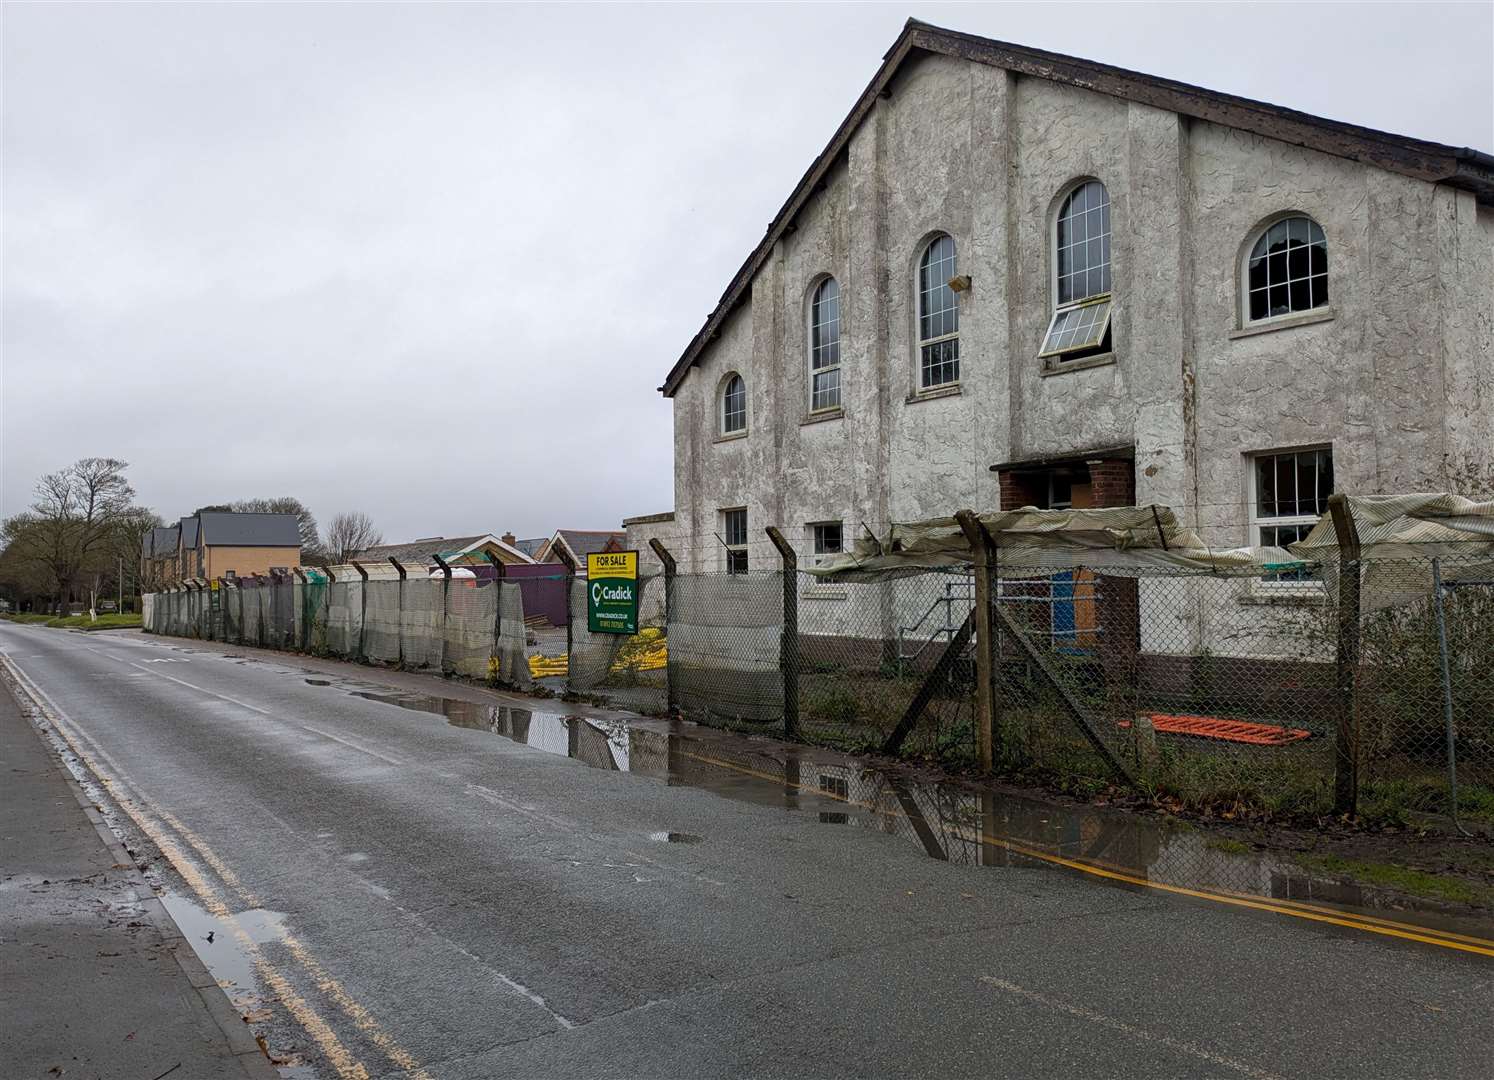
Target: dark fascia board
1461, 167
1122, 452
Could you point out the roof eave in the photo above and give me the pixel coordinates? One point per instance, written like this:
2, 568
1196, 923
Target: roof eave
1471, 170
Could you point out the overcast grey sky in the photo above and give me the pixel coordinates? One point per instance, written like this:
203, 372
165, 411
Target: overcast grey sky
431, 262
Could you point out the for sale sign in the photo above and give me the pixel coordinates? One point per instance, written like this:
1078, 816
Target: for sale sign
612, 592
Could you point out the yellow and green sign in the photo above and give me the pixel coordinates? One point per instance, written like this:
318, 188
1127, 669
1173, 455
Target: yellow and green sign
612, 592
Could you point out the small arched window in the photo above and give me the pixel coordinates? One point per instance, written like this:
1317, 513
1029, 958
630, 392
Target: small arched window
1081, 266
733, 405
1287, 269
938, 316
824, 347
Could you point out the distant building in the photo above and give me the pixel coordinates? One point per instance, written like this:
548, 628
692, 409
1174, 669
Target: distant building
573, 545
218, 543
529, 547
454, 551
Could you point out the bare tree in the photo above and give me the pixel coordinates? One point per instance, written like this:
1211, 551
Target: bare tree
350, 533
74, 517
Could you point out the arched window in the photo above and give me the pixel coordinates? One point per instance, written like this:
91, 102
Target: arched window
1081, 271
733, 405
938, 316
824, 347
1287, 269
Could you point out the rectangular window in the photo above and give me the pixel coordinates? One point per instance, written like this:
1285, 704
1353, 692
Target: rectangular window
734, 533
1077, 329
1288, 493
827, 540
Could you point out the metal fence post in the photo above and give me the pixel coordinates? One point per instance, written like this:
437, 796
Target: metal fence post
1346, 770
362, 606
662, 552
399, 621
789, 649
985, 637
445, 605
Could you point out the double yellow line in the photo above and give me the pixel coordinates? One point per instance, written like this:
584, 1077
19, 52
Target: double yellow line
1295, 908
160, 832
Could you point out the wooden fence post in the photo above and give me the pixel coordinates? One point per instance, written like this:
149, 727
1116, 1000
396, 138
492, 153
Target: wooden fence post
1346, 767
985, 638
788, 653
664, 556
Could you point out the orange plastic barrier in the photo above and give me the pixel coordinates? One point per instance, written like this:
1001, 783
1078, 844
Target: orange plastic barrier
1212, 727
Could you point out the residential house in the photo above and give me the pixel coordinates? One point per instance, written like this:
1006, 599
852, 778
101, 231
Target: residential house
453, 550
218, 543
159, 557
573, 545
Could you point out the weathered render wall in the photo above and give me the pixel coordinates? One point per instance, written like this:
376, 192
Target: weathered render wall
1397, 375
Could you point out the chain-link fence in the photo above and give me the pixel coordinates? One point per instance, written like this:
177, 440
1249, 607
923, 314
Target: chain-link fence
1242, 692
629, 671
1307, 688
467, 626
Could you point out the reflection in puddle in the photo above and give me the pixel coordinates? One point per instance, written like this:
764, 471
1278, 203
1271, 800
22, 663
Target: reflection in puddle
958, 823
218, 944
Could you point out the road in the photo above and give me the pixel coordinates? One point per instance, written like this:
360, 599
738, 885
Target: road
415, 897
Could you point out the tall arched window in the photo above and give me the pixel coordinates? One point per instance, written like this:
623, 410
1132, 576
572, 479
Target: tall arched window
733, 405
938, 316
1081, 270
824, 347
1287, 269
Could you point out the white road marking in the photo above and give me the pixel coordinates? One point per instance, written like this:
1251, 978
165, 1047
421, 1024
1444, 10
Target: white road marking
1130, 1029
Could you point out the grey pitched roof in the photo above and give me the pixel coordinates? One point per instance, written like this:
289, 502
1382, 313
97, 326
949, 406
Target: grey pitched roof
1461, 167
250, 530
529, 547
586, 541
159, 542
188, 530
419, 551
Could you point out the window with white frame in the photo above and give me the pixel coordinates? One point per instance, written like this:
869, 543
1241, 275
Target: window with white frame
826, 539
734, 536
938, 316
824, 347
1287, 270
1081, 275
733, 405
1288, 494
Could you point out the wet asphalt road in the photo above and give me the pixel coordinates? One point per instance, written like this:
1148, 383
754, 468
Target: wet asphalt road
464, 906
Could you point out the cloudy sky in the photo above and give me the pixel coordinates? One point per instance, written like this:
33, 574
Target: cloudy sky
431, 262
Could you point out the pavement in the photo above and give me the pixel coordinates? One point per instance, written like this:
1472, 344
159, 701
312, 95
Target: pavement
449, 903
98, 980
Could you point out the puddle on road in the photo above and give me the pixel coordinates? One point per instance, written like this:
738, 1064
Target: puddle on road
225, 955
958, 823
